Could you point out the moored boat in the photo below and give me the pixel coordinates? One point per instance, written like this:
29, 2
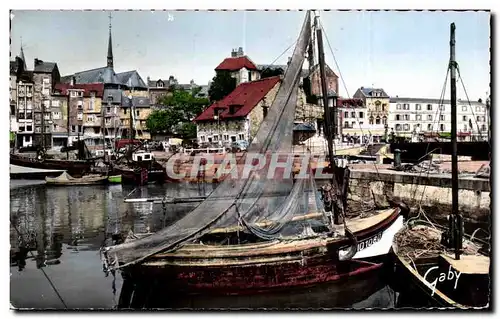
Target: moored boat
115, 179
67, 180
444, 267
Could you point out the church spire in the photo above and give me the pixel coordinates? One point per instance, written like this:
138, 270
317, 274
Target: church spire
22, 55
110, 47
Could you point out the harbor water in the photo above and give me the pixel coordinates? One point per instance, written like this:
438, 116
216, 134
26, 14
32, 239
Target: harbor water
60, 230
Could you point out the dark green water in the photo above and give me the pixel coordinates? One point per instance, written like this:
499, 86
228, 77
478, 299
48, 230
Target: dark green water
63, 229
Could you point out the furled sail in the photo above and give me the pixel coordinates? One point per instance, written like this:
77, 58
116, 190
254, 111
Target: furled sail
246, 202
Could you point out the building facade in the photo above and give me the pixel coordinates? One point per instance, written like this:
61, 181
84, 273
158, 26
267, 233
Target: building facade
239, 115
45, 77
420, 117
376, 101
240, 67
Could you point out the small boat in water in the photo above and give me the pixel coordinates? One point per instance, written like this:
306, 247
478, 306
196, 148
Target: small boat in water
67, 180
444, 267
115, 179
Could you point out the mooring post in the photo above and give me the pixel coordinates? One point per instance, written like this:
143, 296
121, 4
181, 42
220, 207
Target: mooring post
397, 157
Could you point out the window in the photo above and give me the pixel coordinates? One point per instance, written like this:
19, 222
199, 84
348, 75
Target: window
361, 115
398, 117
483, 127
441, 107
79, 116
92, 102
346, 115
406, 106
464, 118
353, 115
202, 138
90, 118
55, 103
346, 124
371, 120
249, 76
478, 109
429, 107
418, 117
46, 104
55, 127
407, 117
406, 127
226, 137
241, 136
46, 81
398, 106
418, 107
216, 138
73, 128
80, 104
124, 111
416, 127
398, 127
56, 115
29, 128
361, 123
377, 120
441, 117
384, 120
465, 127
107, 121
353, 124
429, 117
442, 127
80, 129
137, 113
429, 127
464, 108
159, 84
384, 106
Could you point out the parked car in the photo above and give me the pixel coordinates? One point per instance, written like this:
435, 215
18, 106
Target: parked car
237, 146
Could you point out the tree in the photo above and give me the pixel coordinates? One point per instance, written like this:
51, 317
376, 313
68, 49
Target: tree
180, 109
222, 84
268, 72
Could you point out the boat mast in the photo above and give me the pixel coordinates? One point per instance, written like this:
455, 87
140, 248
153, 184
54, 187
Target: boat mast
103, 128
455, 215
67, 125
324, 90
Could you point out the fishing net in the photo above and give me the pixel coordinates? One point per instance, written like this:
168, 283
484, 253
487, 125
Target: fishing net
268, 206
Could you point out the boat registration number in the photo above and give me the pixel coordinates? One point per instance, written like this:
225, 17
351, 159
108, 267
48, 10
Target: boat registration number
370, 241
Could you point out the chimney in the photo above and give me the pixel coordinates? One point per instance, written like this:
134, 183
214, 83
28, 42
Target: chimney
148, 79
240, 51
73, 79
37, 62
191, 82
233, 53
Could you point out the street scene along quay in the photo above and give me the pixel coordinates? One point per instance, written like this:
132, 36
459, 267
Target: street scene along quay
275, 160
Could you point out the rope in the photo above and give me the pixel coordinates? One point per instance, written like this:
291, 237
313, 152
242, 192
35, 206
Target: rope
41, 268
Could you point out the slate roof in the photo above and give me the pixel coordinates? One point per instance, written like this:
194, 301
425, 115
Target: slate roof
116, 95
44, 67
367, 92
89, 87
235, 64
13, 67
245, 96
108, 76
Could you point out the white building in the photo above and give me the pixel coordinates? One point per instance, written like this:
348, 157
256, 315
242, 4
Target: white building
413, 117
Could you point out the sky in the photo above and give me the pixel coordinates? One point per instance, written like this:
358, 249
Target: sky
405, 53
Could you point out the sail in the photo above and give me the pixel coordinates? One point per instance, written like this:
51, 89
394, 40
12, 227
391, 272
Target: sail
264, 203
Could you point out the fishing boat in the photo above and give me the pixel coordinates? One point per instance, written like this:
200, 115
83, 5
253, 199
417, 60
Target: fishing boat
78, 167
262, 234
115, 179
445, 267
67, 180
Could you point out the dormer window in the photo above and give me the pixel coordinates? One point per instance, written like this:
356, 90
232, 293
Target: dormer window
233, 108
160, 84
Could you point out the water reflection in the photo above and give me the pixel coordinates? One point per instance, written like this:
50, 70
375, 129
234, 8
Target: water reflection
53, 227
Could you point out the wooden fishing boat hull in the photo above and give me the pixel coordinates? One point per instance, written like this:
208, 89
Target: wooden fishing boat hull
115, 179
415, 291
441, 281
266, 267
73, 167
76, 182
